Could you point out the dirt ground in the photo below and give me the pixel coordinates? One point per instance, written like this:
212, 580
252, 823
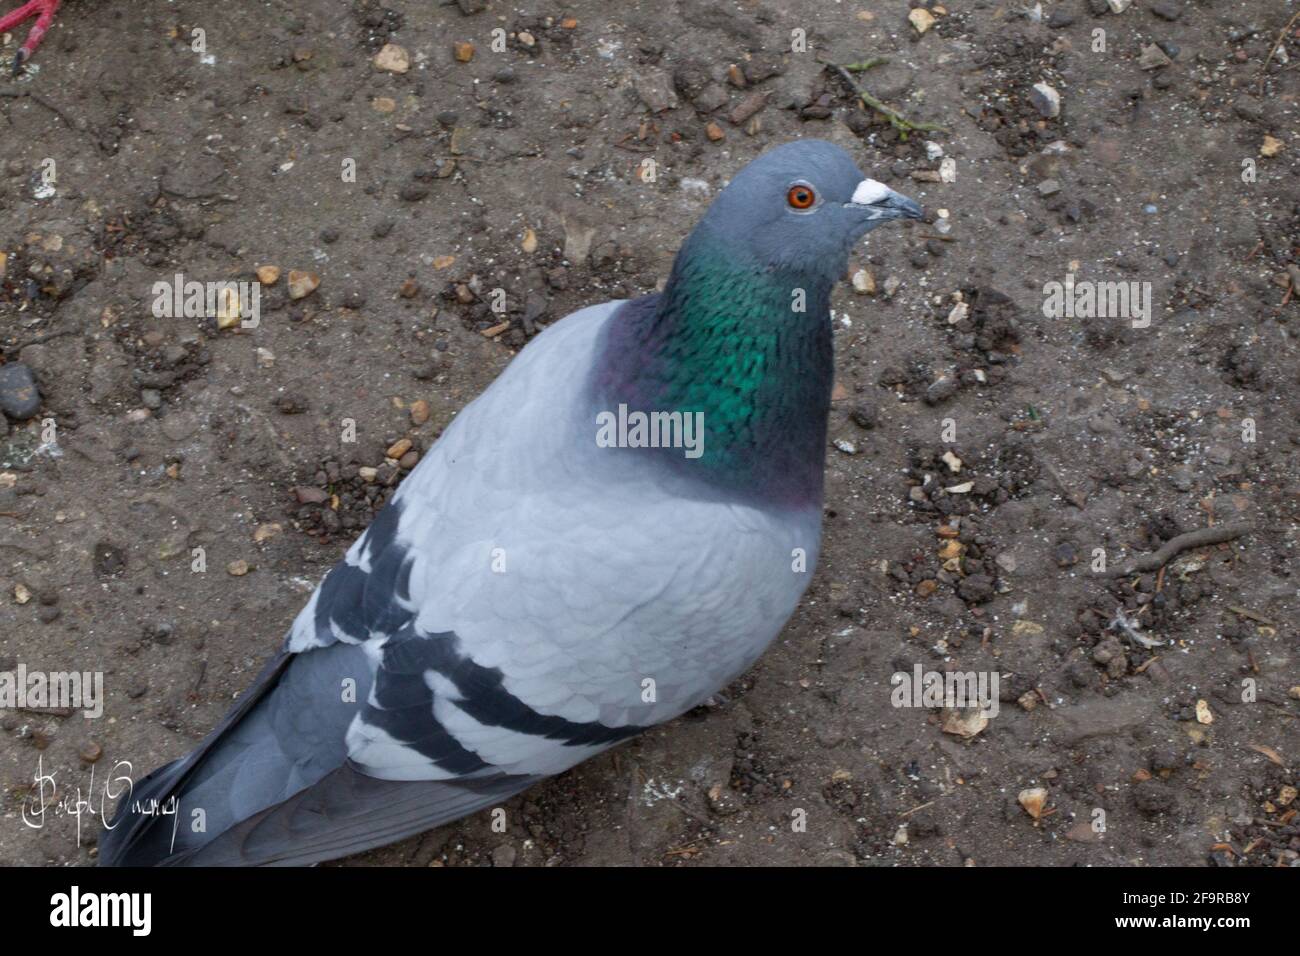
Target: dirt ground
1173, 162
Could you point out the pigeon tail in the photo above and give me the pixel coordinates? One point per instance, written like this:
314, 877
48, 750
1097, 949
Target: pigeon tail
260, 755
347, 812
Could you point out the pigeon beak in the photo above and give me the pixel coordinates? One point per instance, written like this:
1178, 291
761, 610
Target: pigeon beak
880, 203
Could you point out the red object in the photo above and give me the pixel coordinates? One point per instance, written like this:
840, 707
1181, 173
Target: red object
43, 11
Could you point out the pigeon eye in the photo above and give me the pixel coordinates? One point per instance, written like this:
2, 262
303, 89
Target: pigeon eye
801, 197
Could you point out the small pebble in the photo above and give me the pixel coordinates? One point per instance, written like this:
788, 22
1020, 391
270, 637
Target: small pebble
921, 20
1152, 58
302, 284
20, 399
266, 531
865, 415
1046, 100
940, 390
392, 59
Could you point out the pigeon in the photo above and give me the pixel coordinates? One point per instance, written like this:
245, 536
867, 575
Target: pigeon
43, 11
613, 531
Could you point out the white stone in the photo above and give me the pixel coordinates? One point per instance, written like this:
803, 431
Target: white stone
1046, 100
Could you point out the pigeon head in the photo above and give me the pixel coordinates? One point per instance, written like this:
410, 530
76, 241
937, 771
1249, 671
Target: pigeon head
801, 207
741, 333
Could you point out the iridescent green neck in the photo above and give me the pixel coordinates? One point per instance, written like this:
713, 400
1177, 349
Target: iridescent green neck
749, 348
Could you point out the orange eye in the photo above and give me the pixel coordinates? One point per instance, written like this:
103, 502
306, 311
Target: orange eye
801, 197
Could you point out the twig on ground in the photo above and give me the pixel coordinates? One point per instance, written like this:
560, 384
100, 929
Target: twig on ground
15, 349
1069, 494
1281, 37
1192, 539
1293, 273
1145, 664
896, 119
866, 64
1251, 615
